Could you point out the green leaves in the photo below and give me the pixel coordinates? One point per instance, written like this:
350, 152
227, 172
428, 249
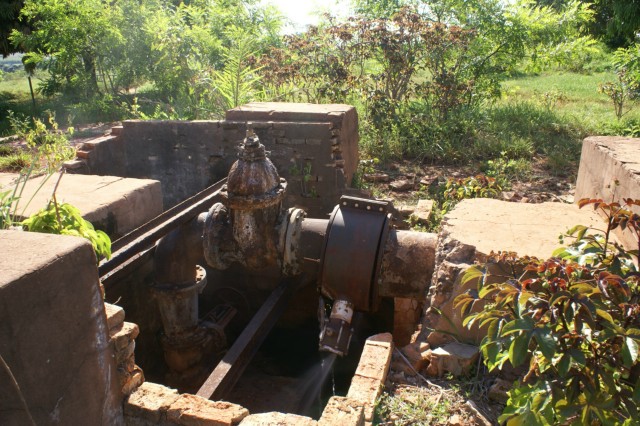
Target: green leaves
519, 349
629, 351
576, 317
65, 219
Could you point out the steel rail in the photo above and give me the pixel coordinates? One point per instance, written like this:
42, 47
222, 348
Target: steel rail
145, 236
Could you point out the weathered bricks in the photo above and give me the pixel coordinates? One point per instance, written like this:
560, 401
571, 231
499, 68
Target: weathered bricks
280, 419
115, 315
192, 410
371, 373
150, 403
342, 411
122, 337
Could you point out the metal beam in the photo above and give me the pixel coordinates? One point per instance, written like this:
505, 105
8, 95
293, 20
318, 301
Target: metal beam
235, 361
144, 237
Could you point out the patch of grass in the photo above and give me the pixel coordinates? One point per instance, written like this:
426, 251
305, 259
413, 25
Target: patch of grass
581, 102
14, 161
412, 408
520, 129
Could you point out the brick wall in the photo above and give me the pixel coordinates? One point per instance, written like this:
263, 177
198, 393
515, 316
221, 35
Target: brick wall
314, 147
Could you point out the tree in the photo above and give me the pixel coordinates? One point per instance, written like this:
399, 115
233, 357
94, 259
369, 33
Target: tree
616, 21
69, 39
9, 21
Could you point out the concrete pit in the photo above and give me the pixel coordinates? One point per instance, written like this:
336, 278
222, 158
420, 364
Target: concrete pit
212, 313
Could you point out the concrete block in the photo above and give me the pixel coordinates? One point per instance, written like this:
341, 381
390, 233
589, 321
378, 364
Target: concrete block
423, 210
53, 333
116, 130
342, 411
113, 204
475, 228
368, 381
455, 358
375, 358
192, 410
115, 317
278, 419
283, 111
150, 402
366, 391
610, 168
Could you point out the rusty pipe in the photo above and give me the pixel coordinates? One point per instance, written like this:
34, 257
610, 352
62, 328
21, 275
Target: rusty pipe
407, 264
178, 252
312, 238
178, 281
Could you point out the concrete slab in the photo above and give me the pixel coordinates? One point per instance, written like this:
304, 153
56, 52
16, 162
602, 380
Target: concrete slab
115, 205
288, 111
470, 232
610, 169
53, 334
528, 229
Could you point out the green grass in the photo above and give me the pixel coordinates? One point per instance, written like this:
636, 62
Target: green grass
577, 95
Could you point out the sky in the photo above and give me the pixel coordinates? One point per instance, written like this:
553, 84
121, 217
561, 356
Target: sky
305, 12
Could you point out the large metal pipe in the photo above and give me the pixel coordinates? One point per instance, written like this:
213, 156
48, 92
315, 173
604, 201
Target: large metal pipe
407, 264
178, 281
178, 253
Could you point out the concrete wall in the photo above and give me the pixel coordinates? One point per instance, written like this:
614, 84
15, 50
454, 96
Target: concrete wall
610, 169
53, 334
314, 147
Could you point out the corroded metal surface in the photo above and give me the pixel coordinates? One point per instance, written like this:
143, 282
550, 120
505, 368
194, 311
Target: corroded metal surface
350, 262
336, 333
407, 264
253, 182
291, 262
248, 224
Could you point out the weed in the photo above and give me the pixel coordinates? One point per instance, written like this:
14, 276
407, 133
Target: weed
415, 409
65, 219
15, 160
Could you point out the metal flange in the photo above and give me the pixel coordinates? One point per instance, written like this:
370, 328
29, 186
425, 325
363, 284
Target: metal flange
351, 259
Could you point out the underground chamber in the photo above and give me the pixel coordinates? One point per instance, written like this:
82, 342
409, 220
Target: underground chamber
244, 300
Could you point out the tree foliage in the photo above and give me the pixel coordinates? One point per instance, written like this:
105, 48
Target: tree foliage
9, 21
93, 47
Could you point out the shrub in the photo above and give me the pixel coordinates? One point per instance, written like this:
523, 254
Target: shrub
574, 318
